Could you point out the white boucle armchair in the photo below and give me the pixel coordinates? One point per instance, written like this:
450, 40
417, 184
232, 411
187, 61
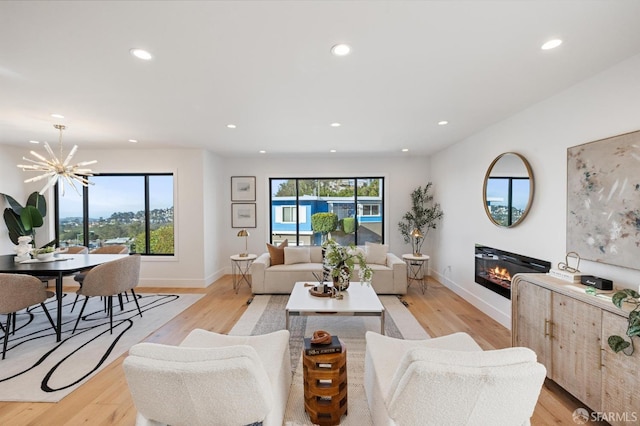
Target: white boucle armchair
449, 380
211, 379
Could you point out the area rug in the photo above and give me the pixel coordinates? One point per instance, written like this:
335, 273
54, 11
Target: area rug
37, 369
266, 314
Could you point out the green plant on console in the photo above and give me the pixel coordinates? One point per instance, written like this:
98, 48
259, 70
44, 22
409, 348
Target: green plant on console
22, 221
324, 223
618, 343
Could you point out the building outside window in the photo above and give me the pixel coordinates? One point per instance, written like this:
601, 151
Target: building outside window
369, 209
357, 202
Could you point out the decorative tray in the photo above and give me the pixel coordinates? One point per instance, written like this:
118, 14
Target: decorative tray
315, 291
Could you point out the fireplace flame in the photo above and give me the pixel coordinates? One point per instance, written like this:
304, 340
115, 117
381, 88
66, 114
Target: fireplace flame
500, 273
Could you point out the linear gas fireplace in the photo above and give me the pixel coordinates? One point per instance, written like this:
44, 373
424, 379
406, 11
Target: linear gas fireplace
494, 268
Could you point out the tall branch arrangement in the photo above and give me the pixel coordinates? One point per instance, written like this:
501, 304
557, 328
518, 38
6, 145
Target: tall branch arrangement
424, 215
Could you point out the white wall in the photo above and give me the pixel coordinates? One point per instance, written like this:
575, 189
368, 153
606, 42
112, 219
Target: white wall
186, 268
402, 175
11, 183
204, 236
603, 106
215, 196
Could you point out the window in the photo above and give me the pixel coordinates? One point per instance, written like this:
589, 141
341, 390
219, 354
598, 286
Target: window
130, 209
370, 210
288, 214
357, 203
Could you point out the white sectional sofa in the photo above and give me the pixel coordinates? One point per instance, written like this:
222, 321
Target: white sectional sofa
389, 275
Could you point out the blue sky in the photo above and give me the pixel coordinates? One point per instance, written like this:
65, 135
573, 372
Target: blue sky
112, 194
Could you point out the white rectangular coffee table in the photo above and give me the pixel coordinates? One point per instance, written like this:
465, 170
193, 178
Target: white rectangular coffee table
359, 300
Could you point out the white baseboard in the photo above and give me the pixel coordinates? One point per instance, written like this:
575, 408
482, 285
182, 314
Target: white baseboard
182, 282
501, 317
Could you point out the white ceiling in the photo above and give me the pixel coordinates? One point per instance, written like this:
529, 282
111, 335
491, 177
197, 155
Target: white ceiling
266, 67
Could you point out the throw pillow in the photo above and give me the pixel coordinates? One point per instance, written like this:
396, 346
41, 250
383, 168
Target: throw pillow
376, 253
276, 253
293, 255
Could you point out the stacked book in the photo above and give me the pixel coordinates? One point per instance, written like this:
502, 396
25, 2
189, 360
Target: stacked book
565, 275
315, 349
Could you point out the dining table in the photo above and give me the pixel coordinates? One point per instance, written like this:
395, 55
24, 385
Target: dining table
57, 268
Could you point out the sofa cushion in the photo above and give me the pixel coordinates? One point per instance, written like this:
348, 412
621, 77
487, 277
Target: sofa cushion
276, 253
317, 254
376, 253
293, 255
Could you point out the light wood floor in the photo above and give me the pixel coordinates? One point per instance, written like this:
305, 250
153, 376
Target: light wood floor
105, 399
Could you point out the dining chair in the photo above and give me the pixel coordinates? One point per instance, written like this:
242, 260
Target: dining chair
17, 292
108, 280
77, 250
114, 249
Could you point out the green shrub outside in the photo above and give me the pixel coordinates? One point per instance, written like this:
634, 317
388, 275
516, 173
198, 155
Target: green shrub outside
349, 225
324, 222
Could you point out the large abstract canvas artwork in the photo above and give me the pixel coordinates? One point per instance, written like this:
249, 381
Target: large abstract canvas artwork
603, 200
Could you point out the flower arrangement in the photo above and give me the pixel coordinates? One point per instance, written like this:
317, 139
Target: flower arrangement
342, 260
43, 250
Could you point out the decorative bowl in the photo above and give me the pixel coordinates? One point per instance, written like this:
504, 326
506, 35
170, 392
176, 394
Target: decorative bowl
45, 256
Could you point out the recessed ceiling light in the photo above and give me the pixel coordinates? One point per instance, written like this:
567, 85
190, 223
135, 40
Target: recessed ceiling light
405, 149
57, 115
141, 54
133, 140
341, 50
34, 142
336, 124
332, 150
551, 44
231, 126
262, 151
443, 123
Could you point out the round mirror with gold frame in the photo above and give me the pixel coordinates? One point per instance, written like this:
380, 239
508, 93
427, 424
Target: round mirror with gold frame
508, 189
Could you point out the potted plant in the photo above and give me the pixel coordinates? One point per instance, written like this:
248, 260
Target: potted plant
423, 216
324, 223
618, 343
23, 221
341, 261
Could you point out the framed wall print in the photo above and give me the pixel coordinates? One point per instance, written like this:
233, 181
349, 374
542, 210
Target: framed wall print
243, 188
243, 215
603, 207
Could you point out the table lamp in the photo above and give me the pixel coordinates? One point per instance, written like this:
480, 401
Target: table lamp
245, 234
416, 234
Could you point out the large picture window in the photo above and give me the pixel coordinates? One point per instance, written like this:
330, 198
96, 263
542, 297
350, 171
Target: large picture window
358, 204
135, 210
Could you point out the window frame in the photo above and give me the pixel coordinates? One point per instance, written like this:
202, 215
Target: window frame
147, 211
355, 198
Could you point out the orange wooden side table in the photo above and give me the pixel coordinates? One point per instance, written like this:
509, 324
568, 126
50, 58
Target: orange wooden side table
325, 387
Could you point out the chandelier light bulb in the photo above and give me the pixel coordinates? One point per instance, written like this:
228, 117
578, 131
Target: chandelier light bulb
56, 170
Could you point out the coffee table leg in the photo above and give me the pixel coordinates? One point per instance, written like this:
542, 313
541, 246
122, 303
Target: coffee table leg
382, 322
286, 322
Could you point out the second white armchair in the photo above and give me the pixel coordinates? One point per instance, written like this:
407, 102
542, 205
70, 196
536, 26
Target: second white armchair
449, 380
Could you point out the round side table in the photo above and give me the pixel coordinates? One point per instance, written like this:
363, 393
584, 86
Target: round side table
240, 266
325, 387
416, 266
